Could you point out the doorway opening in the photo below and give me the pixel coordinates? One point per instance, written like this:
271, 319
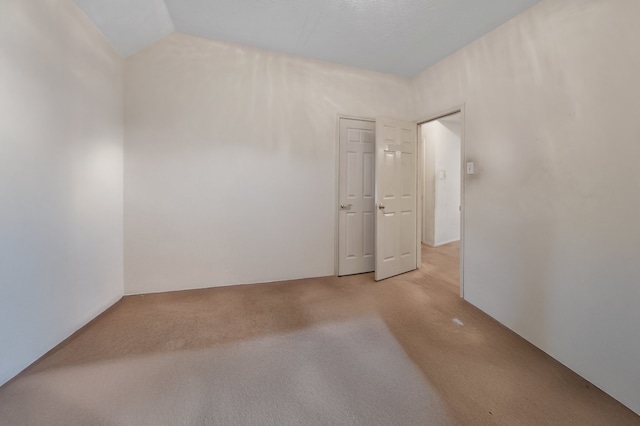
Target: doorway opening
442, 182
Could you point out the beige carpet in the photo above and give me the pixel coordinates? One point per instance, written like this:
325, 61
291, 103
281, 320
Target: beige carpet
351, 372
319, 351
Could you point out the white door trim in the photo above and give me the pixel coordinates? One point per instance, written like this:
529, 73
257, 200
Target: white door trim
453, 110
336, 198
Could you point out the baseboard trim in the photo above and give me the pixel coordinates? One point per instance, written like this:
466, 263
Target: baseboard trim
443, 243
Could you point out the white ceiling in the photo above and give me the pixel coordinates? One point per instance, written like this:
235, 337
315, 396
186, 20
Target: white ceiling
400, 37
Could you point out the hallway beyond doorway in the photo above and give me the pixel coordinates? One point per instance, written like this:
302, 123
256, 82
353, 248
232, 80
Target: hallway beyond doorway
443, 263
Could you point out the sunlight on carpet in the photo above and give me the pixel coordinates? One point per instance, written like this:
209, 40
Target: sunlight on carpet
350, 372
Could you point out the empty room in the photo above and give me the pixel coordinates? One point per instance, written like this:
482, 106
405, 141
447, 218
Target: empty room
319, 212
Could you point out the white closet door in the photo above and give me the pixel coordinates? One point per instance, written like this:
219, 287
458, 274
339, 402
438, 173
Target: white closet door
396, 188
357, 192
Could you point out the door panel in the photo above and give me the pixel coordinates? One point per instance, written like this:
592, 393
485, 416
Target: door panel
353, 235
369, 175
388, 237
356, 228
369, 235
396, 187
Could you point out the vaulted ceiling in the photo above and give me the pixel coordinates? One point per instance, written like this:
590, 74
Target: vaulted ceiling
400, 37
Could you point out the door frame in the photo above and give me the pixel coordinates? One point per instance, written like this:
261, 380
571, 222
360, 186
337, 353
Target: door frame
336, 202
420, 183
421, 170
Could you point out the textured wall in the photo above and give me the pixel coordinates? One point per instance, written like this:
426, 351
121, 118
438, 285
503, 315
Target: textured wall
551, 236
230, 162
61, 133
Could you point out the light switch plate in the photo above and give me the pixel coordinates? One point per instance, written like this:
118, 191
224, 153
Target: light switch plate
470, 168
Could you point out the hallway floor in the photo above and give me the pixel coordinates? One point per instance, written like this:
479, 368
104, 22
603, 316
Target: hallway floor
407, 350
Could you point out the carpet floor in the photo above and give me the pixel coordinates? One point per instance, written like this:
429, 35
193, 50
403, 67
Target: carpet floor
324, 351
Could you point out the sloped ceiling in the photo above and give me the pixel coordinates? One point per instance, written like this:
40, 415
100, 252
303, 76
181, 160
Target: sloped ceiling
400, 37
130, 25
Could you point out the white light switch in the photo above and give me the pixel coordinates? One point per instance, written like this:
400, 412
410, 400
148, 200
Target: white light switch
442, 174
470, 168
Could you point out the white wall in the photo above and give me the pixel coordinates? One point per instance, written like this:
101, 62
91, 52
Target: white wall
447, 212
428, 132
230, 161
61, 133
441, 215
551, 236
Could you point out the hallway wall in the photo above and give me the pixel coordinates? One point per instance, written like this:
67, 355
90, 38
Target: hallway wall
441, 211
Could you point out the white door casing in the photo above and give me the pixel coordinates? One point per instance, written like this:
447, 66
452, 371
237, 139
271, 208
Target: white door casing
356, 205
396, 181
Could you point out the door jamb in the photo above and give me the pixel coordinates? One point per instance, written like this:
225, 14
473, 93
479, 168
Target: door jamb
450, 111
336, 203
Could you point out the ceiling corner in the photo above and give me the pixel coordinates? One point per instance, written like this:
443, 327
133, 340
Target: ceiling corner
129, 25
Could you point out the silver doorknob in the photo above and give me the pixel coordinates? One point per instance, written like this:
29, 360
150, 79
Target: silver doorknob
381, 206
345, 206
